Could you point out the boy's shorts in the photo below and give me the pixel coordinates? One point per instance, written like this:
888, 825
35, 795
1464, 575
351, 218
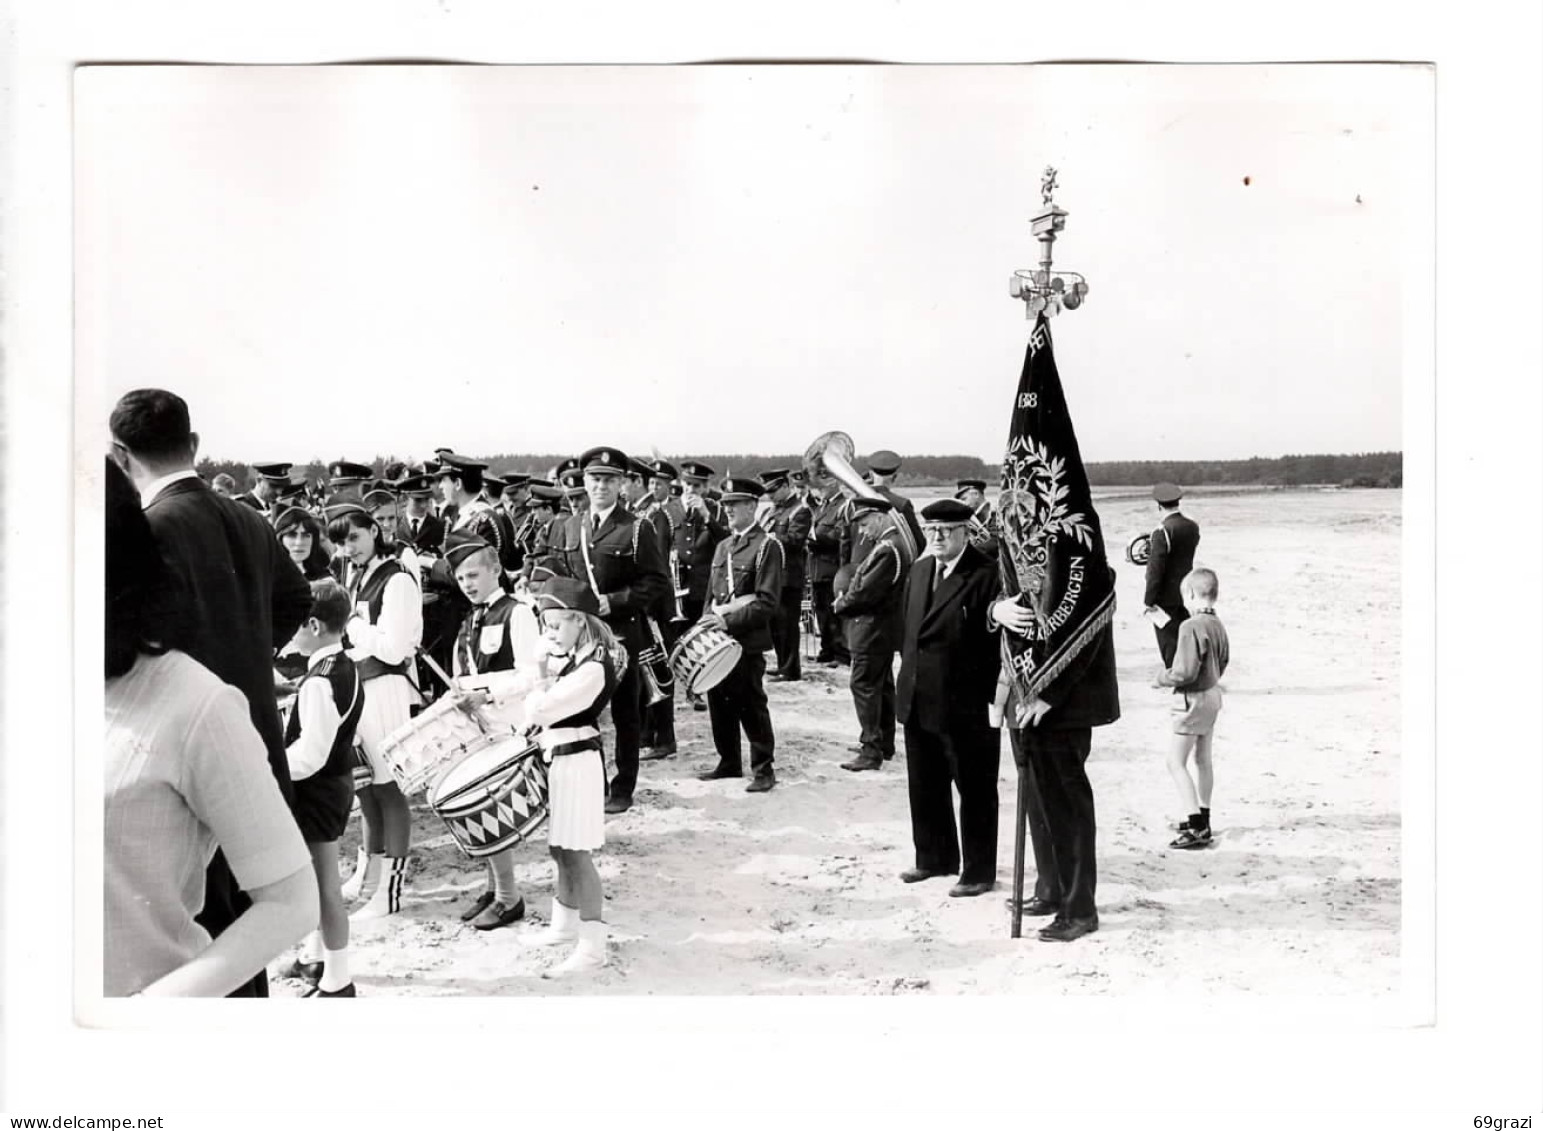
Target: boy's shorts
1194, 712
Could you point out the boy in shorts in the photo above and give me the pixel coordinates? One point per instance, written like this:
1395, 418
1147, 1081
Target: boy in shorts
1199, 662
319, 740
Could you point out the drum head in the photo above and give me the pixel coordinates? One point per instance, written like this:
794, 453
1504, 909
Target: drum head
716, 667
480, 765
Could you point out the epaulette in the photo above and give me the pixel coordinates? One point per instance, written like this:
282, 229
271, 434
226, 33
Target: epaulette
325, 667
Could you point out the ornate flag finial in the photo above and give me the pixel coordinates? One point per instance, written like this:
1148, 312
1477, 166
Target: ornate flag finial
1047, 184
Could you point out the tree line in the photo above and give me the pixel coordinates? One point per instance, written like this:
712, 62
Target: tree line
1361, 469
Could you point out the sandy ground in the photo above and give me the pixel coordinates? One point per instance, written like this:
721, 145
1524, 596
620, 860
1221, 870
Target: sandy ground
713, 891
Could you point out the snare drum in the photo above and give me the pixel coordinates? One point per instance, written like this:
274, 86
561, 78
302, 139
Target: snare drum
494, 797
703, 658
426, 746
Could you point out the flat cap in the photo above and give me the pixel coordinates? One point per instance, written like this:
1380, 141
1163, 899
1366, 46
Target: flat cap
566, 593
742, 490
695, 469
663, 469
946, 510
277, 471
884, 461
1167, 494
342, 471
462, 544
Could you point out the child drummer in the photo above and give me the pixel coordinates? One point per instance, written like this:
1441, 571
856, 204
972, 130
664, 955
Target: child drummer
498, 635
579, 663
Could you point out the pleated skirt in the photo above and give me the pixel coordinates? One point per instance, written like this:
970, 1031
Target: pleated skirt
388, 702
576, 799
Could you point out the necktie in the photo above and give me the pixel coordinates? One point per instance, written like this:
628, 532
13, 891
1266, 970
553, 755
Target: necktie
937, 579
595, 525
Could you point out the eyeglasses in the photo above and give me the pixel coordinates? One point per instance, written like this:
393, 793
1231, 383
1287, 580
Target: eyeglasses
941, 530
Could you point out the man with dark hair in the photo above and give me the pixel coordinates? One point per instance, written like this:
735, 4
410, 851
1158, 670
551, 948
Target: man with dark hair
267, 479
790, 520
240, 595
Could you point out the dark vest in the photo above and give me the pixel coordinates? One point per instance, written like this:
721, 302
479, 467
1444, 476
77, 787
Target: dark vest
373, 593
590, 716
348, 697
469, 644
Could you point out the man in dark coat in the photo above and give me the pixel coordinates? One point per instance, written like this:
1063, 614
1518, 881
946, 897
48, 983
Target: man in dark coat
1051, 744
789, 520
1171, 557
745, 585
622, 562
949, 660
240, 596
870, 606
823, 562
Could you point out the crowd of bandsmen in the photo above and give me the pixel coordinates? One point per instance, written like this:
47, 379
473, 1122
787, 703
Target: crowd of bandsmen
659, 549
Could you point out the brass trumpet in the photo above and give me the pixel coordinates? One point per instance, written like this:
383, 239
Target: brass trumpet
654, 665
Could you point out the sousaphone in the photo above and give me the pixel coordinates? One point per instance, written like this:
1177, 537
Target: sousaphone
830, 457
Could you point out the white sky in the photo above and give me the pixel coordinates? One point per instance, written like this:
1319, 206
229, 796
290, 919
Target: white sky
352, 261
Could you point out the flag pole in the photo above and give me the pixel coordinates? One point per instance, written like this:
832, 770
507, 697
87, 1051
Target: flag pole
1048, 292
1023, 812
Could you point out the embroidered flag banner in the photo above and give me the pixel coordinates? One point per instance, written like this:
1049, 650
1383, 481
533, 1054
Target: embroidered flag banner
1052, 553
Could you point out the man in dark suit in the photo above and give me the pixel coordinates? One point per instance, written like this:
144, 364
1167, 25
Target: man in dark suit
623, 564
240, 595
267, 480
871, 608
423, 530
882, 468
949, 661
1172, 556
1051, 743
790, 520
823, 562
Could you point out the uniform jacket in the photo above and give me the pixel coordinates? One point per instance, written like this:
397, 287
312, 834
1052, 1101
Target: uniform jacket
240, 596
659, 517
985, 530
628, 567
1172, 556
791, 522
430, 536
745, 564
949, 657
872, 602
825, 539
906, 510
695, 540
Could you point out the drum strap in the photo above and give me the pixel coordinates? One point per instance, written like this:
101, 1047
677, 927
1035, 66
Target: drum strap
589, 567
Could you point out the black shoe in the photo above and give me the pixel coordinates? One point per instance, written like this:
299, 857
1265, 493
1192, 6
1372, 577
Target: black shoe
916, 875
346, 991
698, 703
305, 971
499, 915
977, 887
863, 762
477, 907
1191, 838
1035, 906
761, 783
617, 804
653, 754
1065, 930
828, 661
720, 771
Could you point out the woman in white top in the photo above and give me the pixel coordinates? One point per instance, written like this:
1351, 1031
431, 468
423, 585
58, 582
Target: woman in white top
383, 637
185, 772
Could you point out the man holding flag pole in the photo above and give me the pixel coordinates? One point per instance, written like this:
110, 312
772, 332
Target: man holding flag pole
1058, 666
1057, 642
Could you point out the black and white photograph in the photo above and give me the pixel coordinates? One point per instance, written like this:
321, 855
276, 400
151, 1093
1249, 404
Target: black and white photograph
710, 566
924, 493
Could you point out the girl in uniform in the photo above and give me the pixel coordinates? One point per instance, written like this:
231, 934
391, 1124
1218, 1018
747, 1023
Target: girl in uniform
383, 635
578, 659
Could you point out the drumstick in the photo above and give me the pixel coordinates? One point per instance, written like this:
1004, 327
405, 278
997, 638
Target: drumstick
437, 670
